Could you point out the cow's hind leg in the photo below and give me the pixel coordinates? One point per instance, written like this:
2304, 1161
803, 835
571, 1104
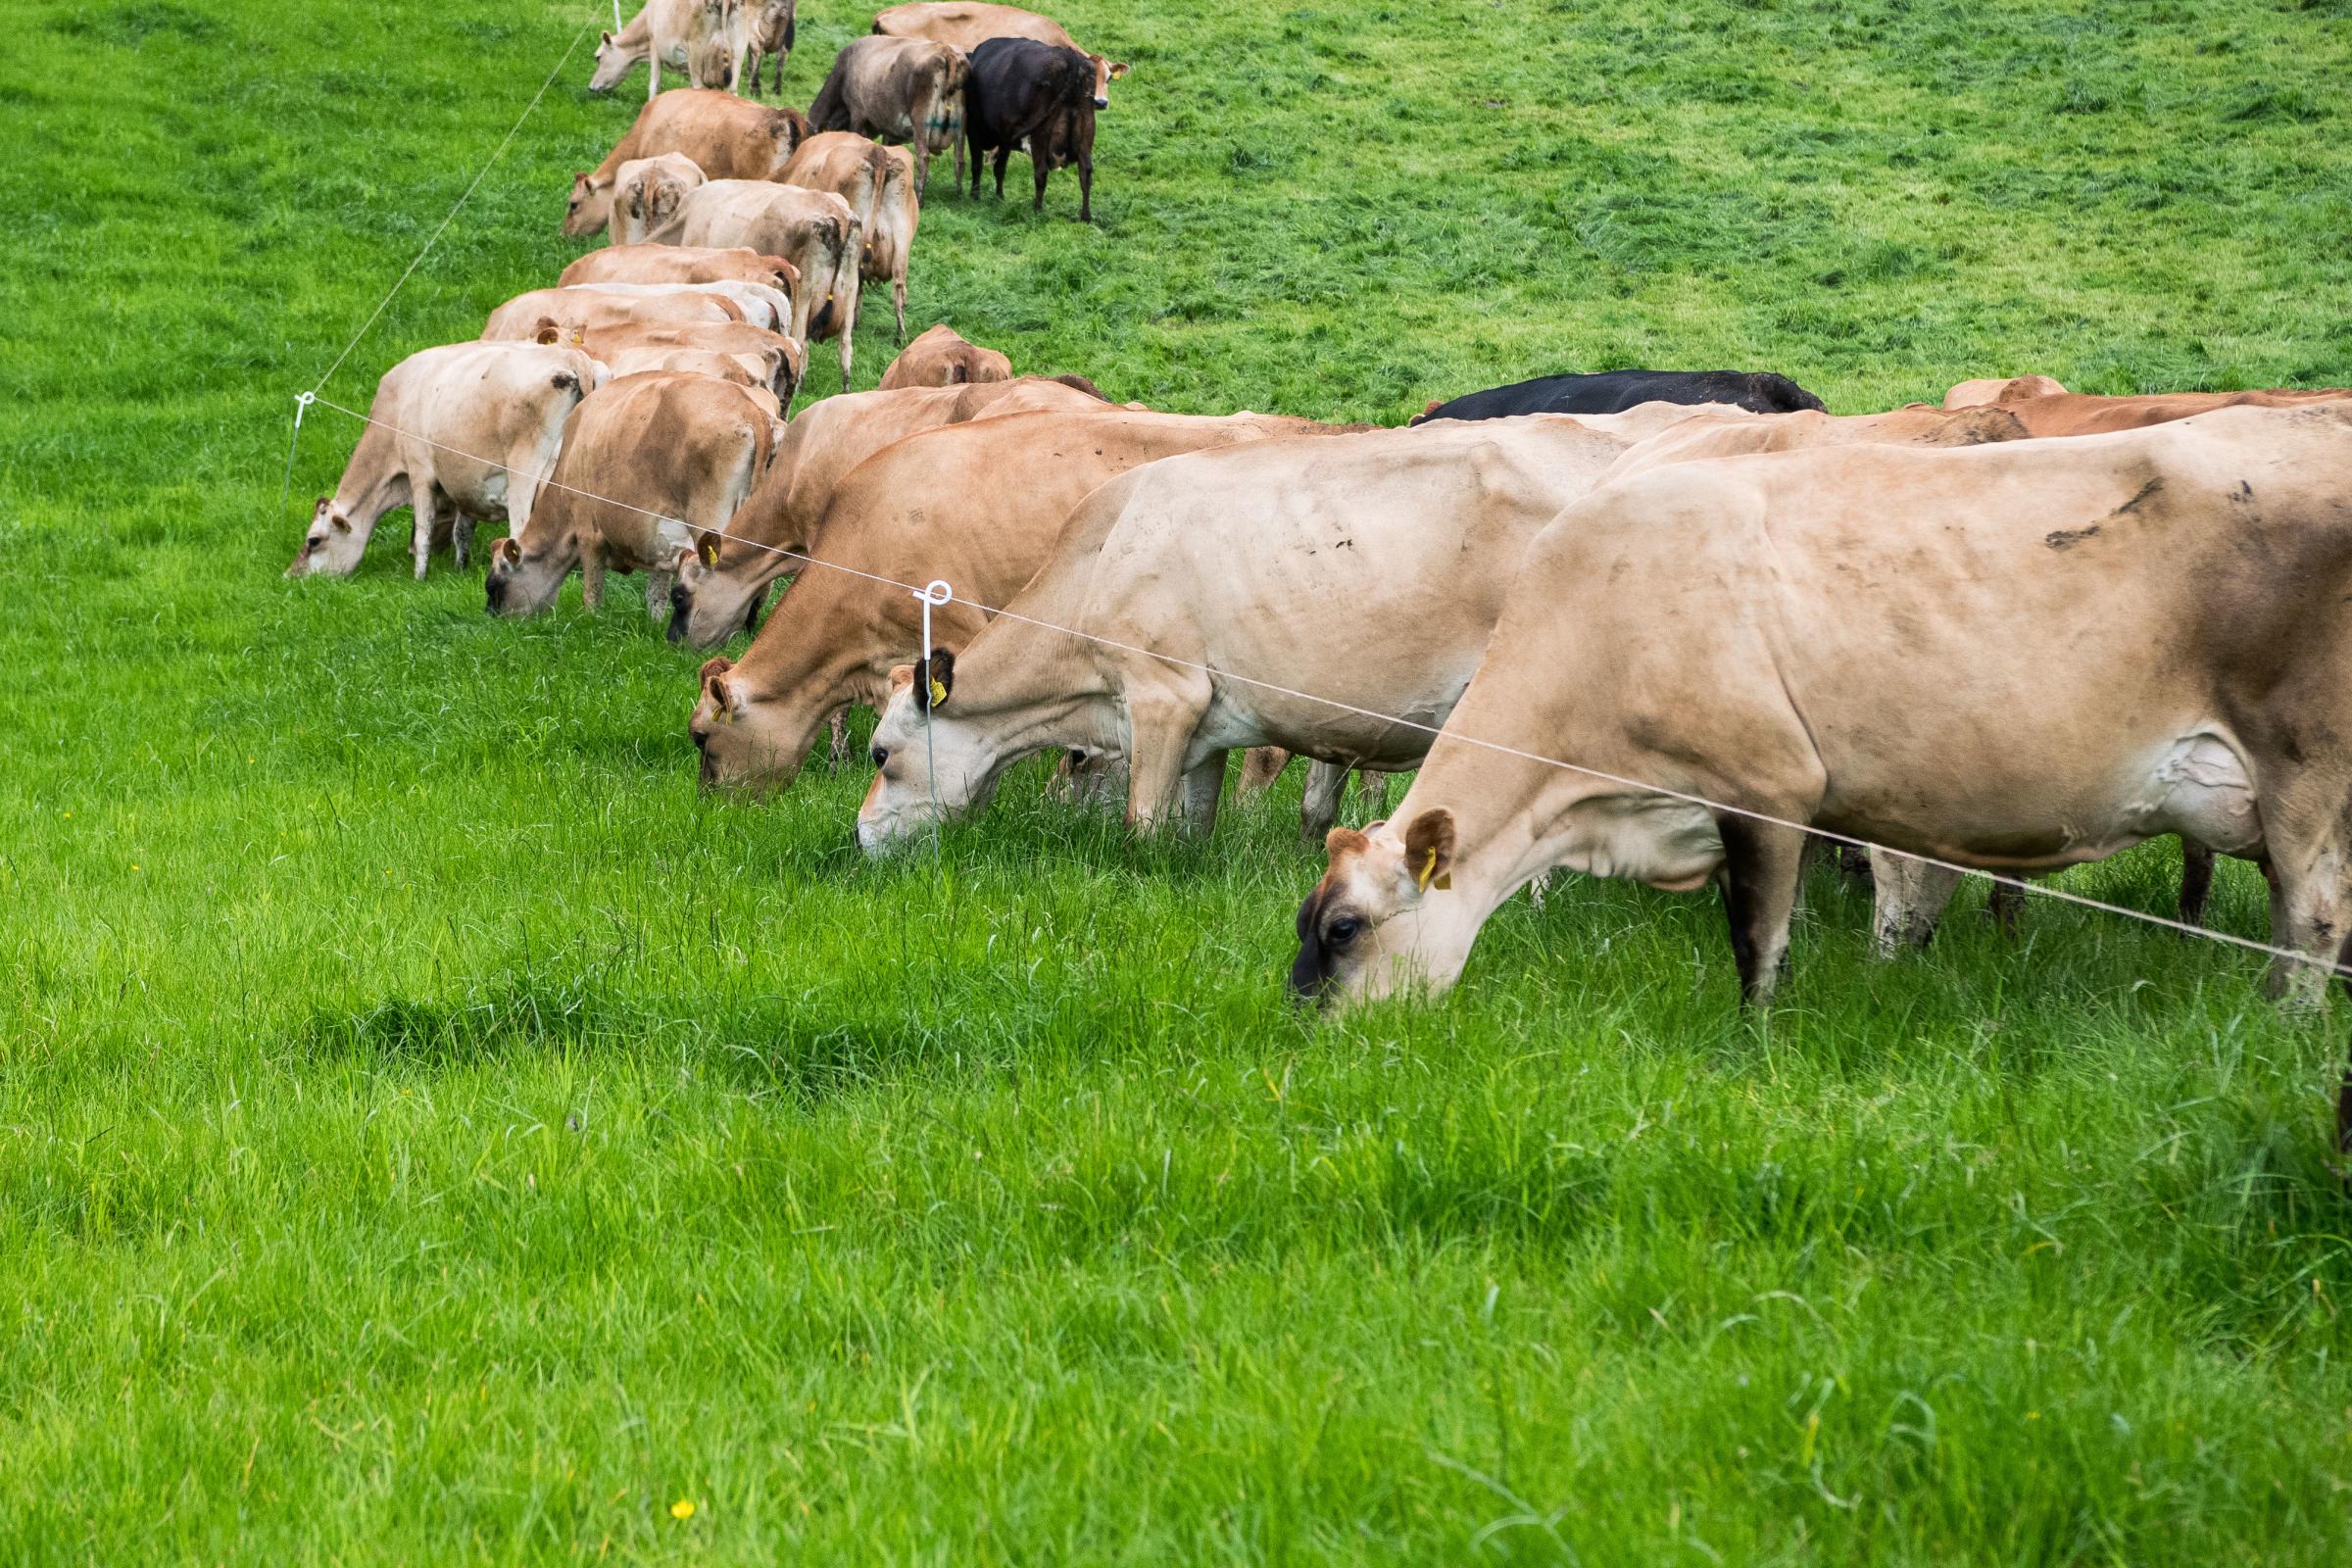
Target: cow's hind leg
1319, 807
1038, 169
426, 512
1202, 787
1261, 765
657, 585
1907, 900
1004, 157
1086, 189
837, 748
460, 538
2196, 881
1761, 867
1373, 788
2310, 899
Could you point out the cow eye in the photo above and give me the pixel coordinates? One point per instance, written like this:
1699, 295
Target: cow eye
881, 756
1343, 931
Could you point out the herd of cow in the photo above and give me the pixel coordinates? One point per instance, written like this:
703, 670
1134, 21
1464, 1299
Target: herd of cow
1647, 624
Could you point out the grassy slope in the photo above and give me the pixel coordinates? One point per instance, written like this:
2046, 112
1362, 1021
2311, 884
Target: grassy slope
429, 1132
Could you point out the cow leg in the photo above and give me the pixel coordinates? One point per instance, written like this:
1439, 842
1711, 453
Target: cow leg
461, 544
1086, 187
653, 74
1319, 807
1004, 157
1203, 786
2311, 888
1373, 788
658, 584
1261, 765
1907, 898
2196, 881
592, 579
1163, 708
1038, 169
425, 509
1761, 867
837, 746
957, 136
898, 301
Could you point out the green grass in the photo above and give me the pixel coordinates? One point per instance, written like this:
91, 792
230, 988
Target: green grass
431, 1133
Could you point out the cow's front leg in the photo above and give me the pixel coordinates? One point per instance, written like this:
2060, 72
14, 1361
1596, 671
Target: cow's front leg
1004, 157
592, 579
1762, 864
837, 750
1163, 708
1204, 786
460, 538
1038, 169
426, 514
1086, 188
658, 584
1373, 789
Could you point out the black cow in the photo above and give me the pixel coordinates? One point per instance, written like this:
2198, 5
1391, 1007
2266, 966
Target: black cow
1021, 91
1615, 391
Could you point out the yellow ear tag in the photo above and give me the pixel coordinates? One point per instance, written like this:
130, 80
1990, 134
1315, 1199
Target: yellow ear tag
1428, 870
939, 694
709, 552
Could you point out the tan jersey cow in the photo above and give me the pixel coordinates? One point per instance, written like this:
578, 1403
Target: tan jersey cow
965, 26
904, 89
767, 36
721, 594
680, 264
1365, 567
760, 358
1753, 632
2068, 414
647, 461
976, 503
679, 35
647, 193
587, 309
455, 434
761, 306
878, 182
813, 229
726, 137
1736, 434
942, 357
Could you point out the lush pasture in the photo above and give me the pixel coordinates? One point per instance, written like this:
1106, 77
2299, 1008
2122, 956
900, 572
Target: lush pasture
429, 1132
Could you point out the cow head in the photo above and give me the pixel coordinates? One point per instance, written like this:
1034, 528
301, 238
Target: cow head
747, 742
613, 62
590, 206
927, 764
519, 585
1106, 72
709, 604
1378, 920
332, 546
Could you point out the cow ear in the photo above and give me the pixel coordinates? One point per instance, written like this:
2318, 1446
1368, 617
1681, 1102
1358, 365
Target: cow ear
707, 548
1343, 841
901, 676
1118, 69
1429, 849
935, 680
546, 336
607, 36
508, 551
718, 665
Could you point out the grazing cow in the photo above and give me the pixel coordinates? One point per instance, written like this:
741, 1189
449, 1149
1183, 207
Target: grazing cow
1975, 394
813, 229
647, 461
762, 305
727, 138
719, 593
679, 34
1366, 568
966, 26
680, 264
585, 309
767, 36
2066, 414
455, 434
878, 182
1764, 615
647, 194
1739, 434
978, 504
904, 89
942, 358
1615, 391
759, 358
1037, 95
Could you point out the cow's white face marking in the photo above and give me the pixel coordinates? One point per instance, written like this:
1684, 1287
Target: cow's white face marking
910, 757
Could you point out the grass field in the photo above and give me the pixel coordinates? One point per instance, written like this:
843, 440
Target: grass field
431, 1133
